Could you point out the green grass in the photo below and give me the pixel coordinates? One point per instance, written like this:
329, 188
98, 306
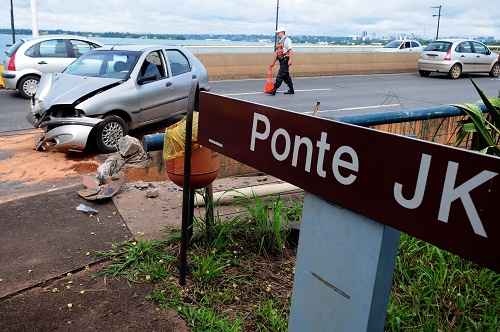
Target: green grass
434, 290
271, 317
240, 281
136, 261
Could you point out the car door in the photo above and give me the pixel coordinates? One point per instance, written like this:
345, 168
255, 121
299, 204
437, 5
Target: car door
50, 56
482, 57
182, 77
155, 89
466, 56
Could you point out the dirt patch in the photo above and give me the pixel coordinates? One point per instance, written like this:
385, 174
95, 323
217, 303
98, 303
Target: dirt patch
81, 302
22, 163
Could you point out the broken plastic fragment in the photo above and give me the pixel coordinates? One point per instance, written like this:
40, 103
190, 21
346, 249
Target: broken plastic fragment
86, 209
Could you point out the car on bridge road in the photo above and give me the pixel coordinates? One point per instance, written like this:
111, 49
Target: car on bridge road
113, 89
457, 56
27, 60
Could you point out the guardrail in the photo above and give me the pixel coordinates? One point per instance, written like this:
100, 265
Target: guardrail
436, 124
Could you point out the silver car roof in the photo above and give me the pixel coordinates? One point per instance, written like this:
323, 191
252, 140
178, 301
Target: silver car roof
49, 37
136, 47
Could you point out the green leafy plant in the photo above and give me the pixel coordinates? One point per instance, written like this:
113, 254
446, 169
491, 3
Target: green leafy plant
138, 261
271, 224
270, 317
484, 128
209, 267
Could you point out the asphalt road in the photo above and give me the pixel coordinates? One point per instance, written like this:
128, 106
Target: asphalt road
337, 94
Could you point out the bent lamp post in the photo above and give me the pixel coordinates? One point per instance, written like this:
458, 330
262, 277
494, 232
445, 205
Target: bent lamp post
362, 187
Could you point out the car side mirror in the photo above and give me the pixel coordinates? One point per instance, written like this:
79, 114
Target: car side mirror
146, 79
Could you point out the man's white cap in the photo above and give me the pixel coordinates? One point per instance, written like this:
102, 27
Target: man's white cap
281, 29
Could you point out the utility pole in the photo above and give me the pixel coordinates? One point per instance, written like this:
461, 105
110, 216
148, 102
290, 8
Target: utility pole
276, 28
34, 18
438, 15
12, 22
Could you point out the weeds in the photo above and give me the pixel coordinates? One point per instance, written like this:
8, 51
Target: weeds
271, 317
208, 267
434, 290
141, 260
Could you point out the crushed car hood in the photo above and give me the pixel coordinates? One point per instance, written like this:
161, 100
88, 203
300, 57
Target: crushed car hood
64, 89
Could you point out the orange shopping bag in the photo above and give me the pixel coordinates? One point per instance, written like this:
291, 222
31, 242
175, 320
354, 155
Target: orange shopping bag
269, 86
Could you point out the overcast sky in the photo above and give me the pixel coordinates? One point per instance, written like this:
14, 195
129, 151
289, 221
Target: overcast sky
318, 17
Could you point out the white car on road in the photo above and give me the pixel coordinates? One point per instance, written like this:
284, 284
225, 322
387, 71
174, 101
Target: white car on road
457, 56
403, 46
27, 60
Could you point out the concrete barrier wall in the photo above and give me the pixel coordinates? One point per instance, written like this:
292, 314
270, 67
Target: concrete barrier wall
235, 66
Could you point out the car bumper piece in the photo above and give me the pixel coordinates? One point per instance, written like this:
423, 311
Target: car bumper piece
67, 133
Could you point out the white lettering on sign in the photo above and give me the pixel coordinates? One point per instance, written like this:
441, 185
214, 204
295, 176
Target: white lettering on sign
418, 197
308, 143
352, 166
256, 135
280, 156
322, 144
450, 194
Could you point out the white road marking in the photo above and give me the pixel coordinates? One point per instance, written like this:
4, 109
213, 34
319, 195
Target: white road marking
220, 145
259, 93
358, 108
316, 77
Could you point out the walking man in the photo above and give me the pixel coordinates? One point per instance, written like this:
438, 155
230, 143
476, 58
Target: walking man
284, 56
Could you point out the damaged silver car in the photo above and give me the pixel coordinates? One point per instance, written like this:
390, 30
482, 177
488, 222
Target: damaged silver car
109, 91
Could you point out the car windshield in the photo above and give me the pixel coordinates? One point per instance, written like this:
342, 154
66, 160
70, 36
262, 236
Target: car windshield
438, 46
105, 64
393, 44
11, 50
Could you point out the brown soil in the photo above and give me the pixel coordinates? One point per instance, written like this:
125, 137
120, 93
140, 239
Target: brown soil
82, 302
24, 164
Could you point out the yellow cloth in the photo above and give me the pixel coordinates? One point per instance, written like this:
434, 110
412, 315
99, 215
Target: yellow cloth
175, 135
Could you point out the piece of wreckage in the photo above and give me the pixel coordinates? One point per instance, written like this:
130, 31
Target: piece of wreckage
109, 177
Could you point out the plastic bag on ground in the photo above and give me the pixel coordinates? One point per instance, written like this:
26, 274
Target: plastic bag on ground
175, 135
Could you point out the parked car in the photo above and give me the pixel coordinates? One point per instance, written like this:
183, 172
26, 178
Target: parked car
27, 60
454, 57
113, 89
403, 46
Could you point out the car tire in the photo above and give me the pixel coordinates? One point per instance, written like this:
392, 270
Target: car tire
495, 70
27, 86
108, 132
424, 73
455, 71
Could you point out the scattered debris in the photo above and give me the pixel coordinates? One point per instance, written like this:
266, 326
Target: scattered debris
86, 209
141, 185
70, 305
109, 179
153, 193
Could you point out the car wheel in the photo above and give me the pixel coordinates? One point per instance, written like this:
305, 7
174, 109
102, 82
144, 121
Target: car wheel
424, 73
495, 71
27, 86
455, 71
108, 132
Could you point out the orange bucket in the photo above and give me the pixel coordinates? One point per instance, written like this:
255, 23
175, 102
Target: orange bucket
204, 168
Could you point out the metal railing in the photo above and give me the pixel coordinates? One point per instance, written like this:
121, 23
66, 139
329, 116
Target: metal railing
437, 124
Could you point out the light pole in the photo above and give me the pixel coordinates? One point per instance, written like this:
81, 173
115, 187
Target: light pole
34, 18
277, 19
438, 15
12, 22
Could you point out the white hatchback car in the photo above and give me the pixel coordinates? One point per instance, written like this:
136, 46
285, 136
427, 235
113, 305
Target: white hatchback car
403, 46
27, 60
457, 56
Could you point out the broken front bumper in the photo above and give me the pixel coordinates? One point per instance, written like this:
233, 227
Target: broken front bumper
64, 134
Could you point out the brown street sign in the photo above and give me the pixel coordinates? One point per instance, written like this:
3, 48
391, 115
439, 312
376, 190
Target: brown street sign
440, 194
